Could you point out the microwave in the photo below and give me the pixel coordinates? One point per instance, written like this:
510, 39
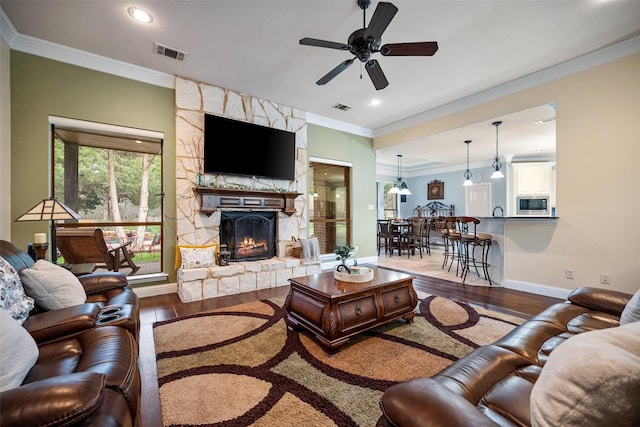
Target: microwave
532, 205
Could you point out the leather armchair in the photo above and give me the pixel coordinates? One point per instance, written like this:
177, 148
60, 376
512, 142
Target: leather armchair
84, 375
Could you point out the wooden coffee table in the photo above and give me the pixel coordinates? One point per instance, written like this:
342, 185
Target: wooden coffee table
334, 311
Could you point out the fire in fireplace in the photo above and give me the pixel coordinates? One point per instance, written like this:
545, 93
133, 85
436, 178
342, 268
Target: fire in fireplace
249, 235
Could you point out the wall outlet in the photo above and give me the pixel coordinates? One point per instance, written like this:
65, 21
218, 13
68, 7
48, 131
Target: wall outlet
605, 278
570, 273
355, 249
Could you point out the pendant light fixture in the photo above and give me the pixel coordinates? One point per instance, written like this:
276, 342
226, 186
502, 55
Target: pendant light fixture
400, 186
467, 173
497, 164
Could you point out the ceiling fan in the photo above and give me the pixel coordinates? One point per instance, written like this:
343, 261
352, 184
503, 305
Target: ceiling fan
364, 42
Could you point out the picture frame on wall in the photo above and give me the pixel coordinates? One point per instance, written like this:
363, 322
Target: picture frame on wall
435, 190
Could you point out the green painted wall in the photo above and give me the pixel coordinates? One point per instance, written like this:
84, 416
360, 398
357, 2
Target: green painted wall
42, 87
332, 144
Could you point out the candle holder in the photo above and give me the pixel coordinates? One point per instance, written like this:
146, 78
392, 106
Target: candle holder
41, 250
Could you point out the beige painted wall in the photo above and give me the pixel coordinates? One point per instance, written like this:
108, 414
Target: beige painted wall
41, 87
336, 145
598, 149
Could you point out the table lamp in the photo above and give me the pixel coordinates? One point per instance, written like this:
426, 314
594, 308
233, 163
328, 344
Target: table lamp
47, 210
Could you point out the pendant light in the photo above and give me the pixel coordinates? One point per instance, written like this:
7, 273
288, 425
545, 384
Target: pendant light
497, 164
400, 186
467, 173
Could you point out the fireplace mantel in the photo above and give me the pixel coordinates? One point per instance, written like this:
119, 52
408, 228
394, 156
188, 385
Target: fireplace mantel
213, 199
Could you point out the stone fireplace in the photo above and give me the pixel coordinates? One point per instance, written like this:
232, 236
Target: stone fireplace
199, 218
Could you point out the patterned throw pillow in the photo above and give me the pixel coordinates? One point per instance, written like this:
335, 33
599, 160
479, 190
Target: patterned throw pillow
12, 296
198, 257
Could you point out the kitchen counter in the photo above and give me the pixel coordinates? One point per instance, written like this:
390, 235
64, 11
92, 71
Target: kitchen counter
496, 226
527, 217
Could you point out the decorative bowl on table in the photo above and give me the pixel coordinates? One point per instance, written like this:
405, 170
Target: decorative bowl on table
358, 275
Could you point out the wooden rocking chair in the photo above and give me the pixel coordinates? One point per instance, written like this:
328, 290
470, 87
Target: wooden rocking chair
87, 246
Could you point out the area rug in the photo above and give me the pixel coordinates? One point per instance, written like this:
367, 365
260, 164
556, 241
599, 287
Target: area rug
242, 366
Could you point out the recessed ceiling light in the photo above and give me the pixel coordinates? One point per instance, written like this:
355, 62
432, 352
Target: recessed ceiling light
374, 102
140, 15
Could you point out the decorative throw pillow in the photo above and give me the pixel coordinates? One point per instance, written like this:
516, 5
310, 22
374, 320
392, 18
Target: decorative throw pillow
51, 286
180, 247
198, 257
631, 312
12, 296
591, 379
18, 352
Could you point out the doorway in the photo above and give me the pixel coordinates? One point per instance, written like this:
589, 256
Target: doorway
478, 199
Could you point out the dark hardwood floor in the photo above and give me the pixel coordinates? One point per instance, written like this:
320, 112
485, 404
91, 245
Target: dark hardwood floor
164, 307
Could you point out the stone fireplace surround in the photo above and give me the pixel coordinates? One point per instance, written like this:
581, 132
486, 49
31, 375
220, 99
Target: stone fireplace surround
197, 228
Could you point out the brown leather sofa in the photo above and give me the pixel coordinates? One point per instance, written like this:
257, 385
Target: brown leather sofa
110, 291
87, 370
492, 385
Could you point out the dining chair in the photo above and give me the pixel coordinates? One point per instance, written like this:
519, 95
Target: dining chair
385, 235
412, 238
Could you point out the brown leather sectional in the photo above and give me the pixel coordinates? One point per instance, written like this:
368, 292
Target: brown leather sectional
492, 385
87, 370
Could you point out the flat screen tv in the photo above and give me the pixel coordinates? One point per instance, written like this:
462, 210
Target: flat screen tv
258, 151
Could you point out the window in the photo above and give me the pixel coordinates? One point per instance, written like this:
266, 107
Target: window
329, 207
390, 201
112, 177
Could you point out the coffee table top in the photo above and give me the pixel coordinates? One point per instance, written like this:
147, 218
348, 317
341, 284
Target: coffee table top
325, 283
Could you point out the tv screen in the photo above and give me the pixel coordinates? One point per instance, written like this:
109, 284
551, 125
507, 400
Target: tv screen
259, 151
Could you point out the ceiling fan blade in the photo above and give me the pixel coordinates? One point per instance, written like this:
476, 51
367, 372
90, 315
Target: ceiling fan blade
324, 43
331, 74
409, 49
380, 21
377, 76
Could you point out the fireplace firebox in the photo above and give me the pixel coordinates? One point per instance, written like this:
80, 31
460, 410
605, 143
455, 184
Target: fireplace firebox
249, 236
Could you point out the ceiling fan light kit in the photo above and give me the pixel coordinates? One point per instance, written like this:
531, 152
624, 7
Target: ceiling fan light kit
497, 164
366, 41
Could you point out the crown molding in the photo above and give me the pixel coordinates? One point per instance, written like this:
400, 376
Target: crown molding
58, 52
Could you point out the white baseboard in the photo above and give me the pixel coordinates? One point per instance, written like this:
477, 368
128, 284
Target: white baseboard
537, 289
154, 290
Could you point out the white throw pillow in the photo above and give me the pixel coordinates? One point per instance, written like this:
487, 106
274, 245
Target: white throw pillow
12, 296
198, 257
631, 312
591, 379
18, 352
51, 286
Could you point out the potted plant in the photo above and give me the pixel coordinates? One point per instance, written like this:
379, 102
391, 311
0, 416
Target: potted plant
342, 253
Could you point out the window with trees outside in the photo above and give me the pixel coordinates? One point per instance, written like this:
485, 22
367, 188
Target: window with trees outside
390, 201
114, 182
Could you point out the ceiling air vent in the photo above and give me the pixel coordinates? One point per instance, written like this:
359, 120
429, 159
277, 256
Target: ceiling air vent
342, 107
170, 53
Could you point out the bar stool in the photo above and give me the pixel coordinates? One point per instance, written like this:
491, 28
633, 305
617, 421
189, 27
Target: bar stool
451, 235
469, 241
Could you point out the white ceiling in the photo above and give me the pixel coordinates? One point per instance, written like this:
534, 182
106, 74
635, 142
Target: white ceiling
253, 47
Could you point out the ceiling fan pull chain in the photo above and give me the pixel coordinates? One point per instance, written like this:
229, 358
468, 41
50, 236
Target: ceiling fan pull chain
361, 71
